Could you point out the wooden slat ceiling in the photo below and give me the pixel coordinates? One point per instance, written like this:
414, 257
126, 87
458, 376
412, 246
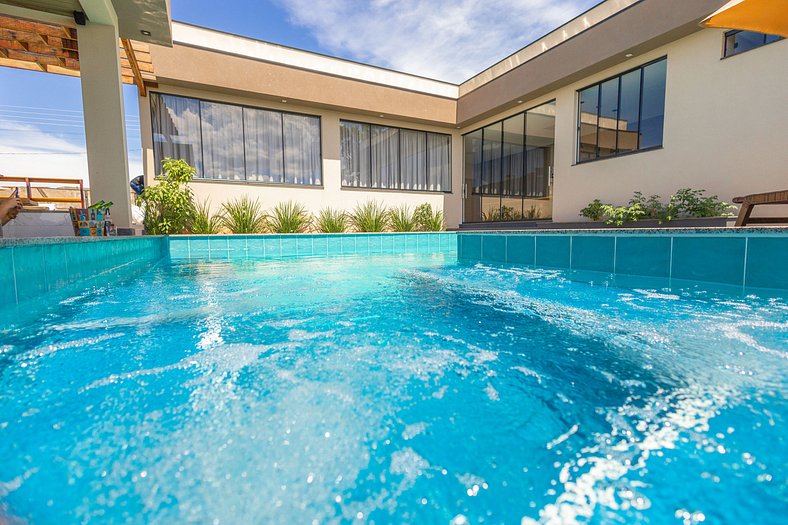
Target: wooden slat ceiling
37, 46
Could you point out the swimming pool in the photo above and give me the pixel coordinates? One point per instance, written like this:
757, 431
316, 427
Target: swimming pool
393, 388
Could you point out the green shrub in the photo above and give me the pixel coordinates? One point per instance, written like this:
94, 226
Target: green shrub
401, 219
692, 203
331, 221
167, 205
243, 215
289, 217
594, 211
428, 220
532, 213
618, 215
653, 208
369, 217
203, 222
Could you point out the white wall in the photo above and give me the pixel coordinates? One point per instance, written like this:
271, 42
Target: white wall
331, 194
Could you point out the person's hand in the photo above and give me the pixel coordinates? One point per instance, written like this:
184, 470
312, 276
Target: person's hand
14, 211
9, 209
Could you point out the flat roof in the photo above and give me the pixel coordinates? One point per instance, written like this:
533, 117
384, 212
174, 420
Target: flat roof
223, 42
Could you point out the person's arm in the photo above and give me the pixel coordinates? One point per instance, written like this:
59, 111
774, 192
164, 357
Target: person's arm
9, 209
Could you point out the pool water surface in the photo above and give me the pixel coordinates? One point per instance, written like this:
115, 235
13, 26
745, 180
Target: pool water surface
392, 389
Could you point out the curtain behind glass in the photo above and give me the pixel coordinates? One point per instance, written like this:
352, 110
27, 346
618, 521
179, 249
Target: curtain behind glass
439, 166
302, 149
413, 159
491, 167
354, 141
176, 130
385, 157
222, 141
513, 154
263, 145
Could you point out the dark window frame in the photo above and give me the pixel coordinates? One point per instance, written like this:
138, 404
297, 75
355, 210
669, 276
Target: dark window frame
399, 188
598, 85
735, 32
200, 178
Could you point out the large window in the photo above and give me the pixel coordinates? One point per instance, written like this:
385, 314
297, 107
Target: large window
383, 157
740, 41
235, 143
508, 166
622, 114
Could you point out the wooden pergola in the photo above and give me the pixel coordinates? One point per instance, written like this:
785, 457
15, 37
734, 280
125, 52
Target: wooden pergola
52, 48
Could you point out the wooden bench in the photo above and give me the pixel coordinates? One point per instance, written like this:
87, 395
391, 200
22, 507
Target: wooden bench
748, 202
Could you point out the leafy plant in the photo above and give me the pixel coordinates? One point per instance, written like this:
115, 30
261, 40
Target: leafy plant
428, 220
692, 203
289, 217
401, 219
243, 215
618, 215
167, 205
203, 222
653, 208
594, 211
369, 217
331, 221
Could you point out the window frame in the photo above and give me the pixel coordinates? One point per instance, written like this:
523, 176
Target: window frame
732, 32
399, 188
598, 85
319, 118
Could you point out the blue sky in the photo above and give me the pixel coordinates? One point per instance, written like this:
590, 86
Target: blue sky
41, 131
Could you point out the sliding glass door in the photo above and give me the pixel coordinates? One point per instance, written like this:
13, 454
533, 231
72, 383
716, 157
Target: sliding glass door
508, 168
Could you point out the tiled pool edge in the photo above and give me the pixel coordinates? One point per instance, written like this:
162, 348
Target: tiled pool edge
288, 246
30, 268
752, 258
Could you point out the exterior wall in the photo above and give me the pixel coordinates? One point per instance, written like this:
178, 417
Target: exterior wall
331, 194
725, 129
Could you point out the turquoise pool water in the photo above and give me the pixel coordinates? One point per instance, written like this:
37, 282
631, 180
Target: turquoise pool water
392, 389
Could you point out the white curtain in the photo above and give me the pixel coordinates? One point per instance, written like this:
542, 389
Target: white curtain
302, 149
222, 141
176, 129
413, 159
439, 166
263, 145
354, 137
385, 157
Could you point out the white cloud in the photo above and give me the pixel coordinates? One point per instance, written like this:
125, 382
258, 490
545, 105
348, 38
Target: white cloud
444, 39
28, 151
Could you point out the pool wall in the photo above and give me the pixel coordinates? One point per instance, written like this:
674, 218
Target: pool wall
222, 247
33, 267
756, 257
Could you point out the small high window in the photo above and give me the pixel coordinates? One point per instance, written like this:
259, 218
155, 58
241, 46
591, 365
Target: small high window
740, 41
622, 114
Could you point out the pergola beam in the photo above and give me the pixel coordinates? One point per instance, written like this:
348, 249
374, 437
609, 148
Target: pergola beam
135, 67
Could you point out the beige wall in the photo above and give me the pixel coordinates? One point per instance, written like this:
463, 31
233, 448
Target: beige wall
314, 198
726, 129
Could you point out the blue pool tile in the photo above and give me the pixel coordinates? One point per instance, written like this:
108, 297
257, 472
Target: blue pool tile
319, 245
648, 256
179, 248
7, 286
411, 243
289, 248
493, 248
400, 243
55, 265
255, 246
29, 266
237, 247
362, 244
348, 245
304, 246
716, 259
387, 243
446, 242
593, 253
520, 249
470, 247
376, 244
552, 251
335, 244
273, 246
767, 262
198, 247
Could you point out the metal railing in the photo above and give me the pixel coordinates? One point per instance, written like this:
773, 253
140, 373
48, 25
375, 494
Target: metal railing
29, 181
